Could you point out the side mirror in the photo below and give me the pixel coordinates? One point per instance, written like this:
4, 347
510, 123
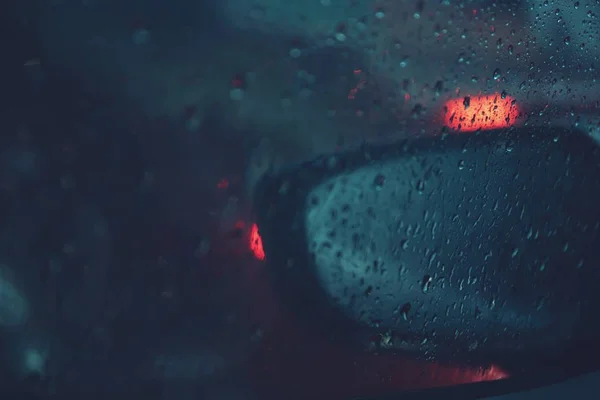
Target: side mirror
474, 248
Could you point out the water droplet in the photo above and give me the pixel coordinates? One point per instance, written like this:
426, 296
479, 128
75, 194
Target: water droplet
420, 186
404, 310
340, 37
426, 284
437, 89
466, 102
379, 181
540, 303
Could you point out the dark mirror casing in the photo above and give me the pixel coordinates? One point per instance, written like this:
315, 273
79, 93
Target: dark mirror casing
468, 248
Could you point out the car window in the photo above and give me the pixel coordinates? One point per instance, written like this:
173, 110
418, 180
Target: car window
142, 142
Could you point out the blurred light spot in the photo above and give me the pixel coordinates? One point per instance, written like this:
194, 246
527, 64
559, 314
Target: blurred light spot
238, 82
236, 94
35, 361
491, 373
240, 224
223, 184
487, 112
14, 310
140, 36
295, 52
495, 373
256, 245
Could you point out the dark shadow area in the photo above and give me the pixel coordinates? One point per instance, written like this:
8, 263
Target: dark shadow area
111, 228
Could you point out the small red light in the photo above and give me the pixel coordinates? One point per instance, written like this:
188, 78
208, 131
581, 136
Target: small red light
223, 184
472, 113
256, 245
495, 373
240, 224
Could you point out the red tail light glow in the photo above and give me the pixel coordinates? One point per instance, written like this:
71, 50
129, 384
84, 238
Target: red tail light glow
486, 112
256, 245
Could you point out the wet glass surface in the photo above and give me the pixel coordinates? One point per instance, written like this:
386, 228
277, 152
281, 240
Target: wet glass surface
138, 135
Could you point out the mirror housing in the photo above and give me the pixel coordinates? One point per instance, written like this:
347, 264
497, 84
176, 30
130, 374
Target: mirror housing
472, 248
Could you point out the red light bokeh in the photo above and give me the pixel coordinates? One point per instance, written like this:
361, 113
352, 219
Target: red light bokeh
256, 245
486, 112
